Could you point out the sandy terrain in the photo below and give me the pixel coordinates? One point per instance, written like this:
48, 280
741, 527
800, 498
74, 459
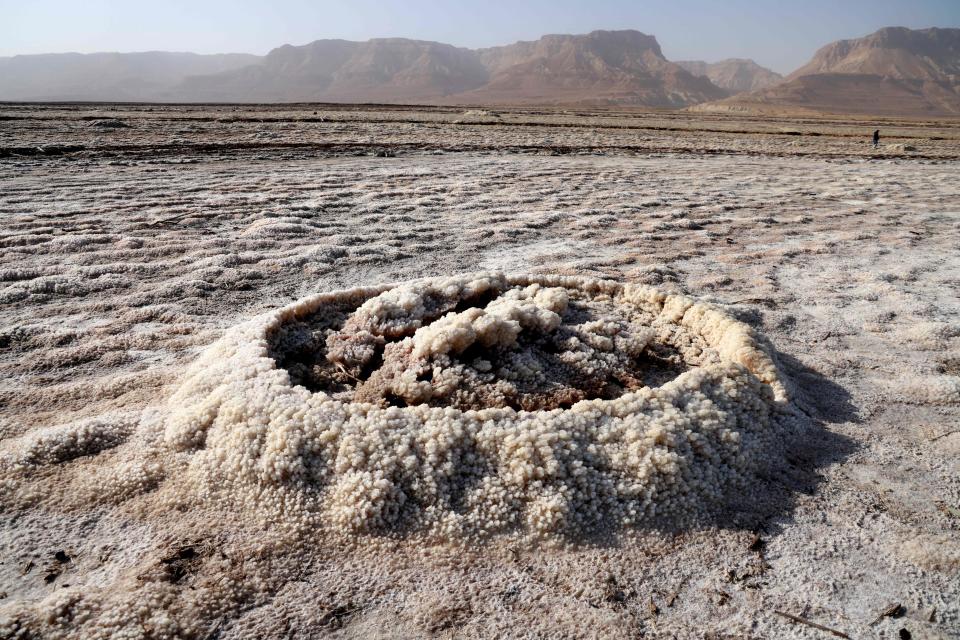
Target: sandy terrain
136, 237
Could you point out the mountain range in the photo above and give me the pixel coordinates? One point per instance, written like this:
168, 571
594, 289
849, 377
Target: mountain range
734, 75
614, 67
602, 67
893, 71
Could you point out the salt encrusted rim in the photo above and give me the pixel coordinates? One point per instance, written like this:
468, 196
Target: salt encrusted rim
736, 342
267, 456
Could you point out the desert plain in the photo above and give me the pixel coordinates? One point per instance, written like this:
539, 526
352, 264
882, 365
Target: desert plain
135, 236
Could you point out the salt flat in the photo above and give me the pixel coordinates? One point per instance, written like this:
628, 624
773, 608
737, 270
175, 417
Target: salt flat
128, 250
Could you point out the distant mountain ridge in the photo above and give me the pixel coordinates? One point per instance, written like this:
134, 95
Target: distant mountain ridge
735, 75
894, 52
611, 67
614, 67
107, 76
379, 70
894, 71
602, 67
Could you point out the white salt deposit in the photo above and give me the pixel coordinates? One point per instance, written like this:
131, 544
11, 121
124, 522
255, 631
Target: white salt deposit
454, 458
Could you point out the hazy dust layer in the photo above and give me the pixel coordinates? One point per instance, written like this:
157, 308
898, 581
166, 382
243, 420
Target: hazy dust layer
116, 277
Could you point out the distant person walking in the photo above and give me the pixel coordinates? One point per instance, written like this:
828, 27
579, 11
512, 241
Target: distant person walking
876, 138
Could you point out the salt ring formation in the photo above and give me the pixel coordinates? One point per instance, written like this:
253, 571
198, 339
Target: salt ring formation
481, 405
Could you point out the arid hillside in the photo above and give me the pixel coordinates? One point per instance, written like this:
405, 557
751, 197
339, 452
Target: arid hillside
621, 67
895, 71
895, 52
381, 70
602, 67
735, 75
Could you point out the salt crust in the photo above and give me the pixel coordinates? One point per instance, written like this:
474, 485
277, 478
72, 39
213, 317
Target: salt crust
62, 443
670, 453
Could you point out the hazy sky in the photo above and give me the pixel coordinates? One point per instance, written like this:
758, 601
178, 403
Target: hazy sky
781, 34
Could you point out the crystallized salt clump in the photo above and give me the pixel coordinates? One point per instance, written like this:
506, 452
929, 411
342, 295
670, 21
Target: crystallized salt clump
479, 405
509, 347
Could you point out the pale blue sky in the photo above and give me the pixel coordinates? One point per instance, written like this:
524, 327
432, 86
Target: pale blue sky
781, 34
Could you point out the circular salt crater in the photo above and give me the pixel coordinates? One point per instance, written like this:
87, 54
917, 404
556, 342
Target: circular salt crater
481, 404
